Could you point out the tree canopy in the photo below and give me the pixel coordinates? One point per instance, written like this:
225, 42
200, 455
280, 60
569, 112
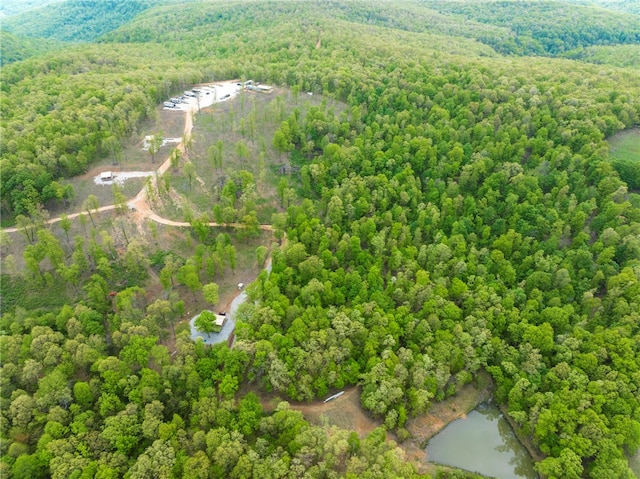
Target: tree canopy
459, 214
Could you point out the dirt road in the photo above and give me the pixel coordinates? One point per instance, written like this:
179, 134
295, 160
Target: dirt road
59, 218
139, 203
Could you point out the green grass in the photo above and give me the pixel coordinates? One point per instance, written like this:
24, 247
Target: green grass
231, 122
17, 291
625, 145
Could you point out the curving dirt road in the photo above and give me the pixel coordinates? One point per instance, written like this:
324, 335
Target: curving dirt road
139, 202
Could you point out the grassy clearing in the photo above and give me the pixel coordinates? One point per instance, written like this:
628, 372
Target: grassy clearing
16, 291
344, 412
625, 145
625, 157
242, 129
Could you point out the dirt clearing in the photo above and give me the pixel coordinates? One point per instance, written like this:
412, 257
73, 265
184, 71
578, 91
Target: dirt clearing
344, 412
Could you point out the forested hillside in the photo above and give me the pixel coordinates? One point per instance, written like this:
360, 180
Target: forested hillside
626, 56
16, 48
75, 20
458, 215
548, 27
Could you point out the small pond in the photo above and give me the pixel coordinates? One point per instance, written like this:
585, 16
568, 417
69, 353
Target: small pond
482, 442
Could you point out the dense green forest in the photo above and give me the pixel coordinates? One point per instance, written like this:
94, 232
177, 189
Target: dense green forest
73, 152
458, 214
15, 48
626, 56
548, 28
77, 20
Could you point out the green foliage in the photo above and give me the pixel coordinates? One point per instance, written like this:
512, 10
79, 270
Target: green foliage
626, 56
75, 20
210, 293
261, 255
28, 466
542, 27
459, 214
206, 323
629, 171
15, 48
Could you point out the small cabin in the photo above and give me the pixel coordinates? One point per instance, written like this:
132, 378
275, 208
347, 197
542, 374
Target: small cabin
220, 320
107, 176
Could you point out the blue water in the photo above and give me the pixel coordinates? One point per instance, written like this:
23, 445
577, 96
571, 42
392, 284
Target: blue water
482, 442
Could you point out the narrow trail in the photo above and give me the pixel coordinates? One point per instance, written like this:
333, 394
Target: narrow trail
13, 229
139, 203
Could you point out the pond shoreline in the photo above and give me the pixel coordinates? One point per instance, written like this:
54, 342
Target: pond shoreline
442, 413
483, 443
424, 427
535, 454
